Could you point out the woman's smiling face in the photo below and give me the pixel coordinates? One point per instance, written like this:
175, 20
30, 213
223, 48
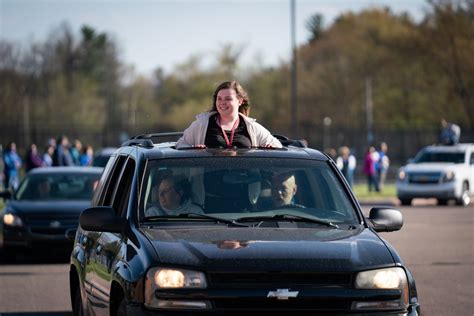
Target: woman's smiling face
227, 102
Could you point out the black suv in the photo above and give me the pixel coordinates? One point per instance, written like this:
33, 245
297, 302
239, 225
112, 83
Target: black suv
252, 230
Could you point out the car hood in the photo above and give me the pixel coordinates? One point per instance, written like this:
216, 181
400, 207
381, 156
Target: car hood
50, 207
432, 167
276, 249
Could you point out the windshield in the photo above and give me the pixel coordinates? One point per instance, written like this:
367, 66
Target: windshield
430, 156
57, 186
240, 187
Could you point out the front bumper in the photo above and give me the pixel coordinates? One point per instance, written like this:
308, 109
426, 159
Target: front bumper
24, 237
330, 301
447, 190
138, 310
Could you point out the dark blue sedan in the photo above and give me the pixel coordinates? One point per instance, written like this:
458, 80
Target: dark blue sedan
45, 208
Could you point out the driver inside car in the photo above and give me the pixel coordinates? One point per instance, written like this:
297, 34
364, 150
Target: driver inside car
284, 189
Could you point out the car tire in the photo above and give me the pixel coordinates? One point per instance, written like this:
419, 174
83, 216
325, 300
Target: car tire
8, 255
442, 202
77, 308
465, 198
405, 201
122, 308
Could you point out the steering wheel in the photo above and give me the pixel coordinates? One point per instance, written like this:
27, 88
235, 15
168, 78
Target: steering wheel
289, 206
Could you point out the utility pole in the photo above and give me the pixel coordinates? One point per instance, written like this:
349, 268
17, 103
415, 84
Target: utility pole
26, 121
327, 121
369, 110
294, 101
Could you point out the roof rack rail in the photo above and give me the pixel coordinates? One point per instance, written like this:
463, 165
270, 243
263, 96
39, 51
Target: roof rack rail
145, 143
145, 140
158, 135
285, 141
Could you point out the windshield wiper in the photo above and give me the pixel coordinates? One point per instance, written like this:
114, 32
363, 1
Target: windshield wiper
286, 217
196, 216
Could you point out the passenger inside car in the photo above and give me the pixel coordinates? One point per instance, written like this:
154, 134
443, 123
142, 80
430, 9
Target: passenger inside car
172, 196
43, 189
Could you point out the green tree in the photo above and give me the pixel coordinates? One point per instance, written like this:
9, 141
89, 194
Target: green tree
448, 33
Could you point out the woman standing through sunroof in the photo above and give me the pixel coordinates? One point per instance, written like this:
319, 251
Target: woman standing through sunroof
227, 124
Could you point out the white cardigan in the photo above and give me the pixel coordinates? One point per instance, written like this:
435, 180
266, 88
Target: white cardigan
195, 134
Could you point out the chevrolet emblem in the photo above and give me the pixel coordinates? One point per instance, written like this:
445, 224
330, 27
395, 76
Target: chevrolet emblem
283, 294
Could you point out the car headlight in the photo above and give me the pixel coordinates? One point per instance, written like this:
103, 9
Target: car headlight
13, 220
383, 279
448, 176
172, 279
391, 278
402, 175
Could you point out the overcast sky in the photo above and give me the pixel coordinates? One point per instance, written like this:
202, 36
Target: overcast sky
163, 33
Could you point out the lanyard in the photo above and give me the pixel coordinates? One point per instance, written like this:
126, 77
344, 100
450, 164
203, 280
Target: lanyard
227, 141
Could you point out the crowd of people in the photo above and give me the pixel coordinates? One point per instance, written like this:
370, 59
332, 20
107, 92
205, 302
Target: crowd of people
57, 152
375, 165
376, 161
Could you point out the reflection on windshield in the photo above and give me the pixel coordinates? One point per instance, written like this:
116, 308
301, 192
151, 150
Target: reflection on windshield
239, 187
440, 157
58, 187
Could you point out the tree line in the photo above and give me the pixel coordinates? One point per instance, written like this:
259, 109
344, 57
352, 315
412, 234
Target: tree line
75, 82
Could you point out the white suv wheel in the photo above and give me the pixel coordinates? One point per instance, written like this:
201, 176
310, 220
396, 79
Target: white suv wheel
465, 198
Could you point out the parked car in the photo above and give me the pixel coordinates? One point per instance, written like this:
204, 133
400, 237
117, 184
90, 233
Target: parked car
102, 155
271, 230
441, 172
46, 206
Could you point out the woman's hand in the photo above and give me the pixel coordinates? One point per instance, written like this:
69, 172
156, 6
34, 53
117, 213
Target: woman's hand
199, 146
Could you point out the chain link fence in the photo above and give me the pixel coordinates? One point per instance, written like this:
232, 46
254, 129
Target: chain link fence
402, 144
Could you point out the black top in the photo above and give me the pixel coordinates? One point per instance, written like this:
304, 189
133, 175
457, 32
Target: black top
215, 138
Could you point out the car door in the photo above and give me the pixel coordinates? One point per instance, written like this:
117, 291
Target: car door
110, 246
91, 240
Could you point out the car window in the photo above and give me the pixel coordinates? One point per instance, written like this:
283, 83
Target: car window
109, 186
430, 156
122, 190
232, 188
99, 192
60, 186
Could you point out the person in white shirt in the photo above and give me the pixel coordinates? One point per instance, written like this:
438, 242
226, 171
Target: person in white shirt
346, 162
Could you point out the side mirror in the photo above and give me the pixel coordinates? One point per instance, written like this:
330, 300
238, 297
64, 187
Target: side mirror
6, 195
101, 219
385, 219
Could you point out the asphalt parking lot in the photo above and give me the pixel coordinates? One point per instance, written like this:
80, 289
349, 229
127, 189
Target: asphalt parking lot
437, 244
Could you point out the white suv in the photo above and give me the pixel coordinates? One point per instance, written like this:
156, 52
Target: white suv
442, 172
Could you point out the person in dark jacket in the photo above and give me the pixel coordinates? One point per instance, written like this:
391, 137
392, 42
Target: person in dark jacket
450, 133
33, 158
62, 156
